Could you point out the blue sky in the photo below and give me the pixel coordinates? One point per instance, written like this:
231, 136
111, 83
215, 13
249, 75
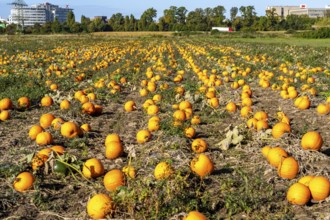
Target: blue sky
126, 7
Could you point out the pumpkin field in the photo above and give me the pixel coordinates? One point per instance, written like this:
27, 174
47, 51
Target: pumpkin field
163, 127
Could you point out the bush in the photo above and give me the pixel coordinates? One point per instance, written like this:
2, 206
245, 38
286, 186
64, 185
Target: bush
316, 34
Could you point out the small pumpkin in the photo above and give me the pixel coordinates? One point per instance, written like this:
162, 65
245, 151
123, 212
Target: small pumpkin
113, 149
163, 170
143, 136
113, 179
199, 145
275, 156
319, 187
288, 168
99, 206
195, 215
202, 165
280, 128
23, 181
93, 168
298, 194
70, 129
312, 140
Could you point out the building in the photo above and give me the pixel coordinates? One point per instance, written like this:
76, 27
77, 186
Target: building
284, 11
40, 13
310, 12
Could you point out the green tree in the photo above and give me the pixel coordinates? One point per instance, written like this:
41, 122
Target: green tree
84, 22
56, 26
70, 20
248, 14
233, 13
147, 19
196, 20
117, 22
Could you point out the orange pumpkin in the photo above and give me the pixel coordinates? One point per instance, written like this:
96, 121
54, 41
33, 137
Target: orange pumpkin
46, 101
23, 181
46, 120
44, 138
6, 104
298, 194
312, 140
319, 187
99, 206
93, 168
275, 156
288, 168
280, 128
163, 170
202, 165
113, 179
70, 130
195, 215
199, 145
113, 149
143, 136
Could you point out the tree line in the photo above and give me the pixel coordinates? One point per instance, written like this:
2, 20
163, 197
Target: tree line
175, 18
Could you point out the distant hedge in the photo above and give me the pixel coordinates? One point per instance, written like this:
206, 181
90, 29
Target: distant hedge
319, 33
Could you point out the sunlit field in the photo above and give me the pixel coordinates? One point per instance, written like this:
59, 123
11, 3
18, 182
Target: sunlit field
156, 125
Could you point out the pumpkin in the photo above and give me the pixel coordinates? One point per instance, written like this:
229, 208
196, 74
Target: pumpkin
280, 128
153, 125
214, 102
99, 206
143, 136
93, 168
319, 187
199, 145
195, 215
152, 110
46, 101
288, 168
184, 105
58, 149
302, 102
65, 104
86, 127
265, 150
196, 120
312, 140
305, 180
44, 138
275, 156
88, 108
34, 131
46, 120
231, 107
4, 115
261, 125
23, 181
129, 171
245, 111
113, 149
23, 102
189, 132
112, 137
252, 123
130, 106
6, 104
70, 129
179, 115
202, 165
163, 170
113, 179
261, 115
56, 123
298, 194
323, 109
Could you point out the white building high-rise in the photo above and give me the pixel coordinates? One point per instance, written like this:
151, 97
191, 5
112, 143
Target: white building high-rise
40, 13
